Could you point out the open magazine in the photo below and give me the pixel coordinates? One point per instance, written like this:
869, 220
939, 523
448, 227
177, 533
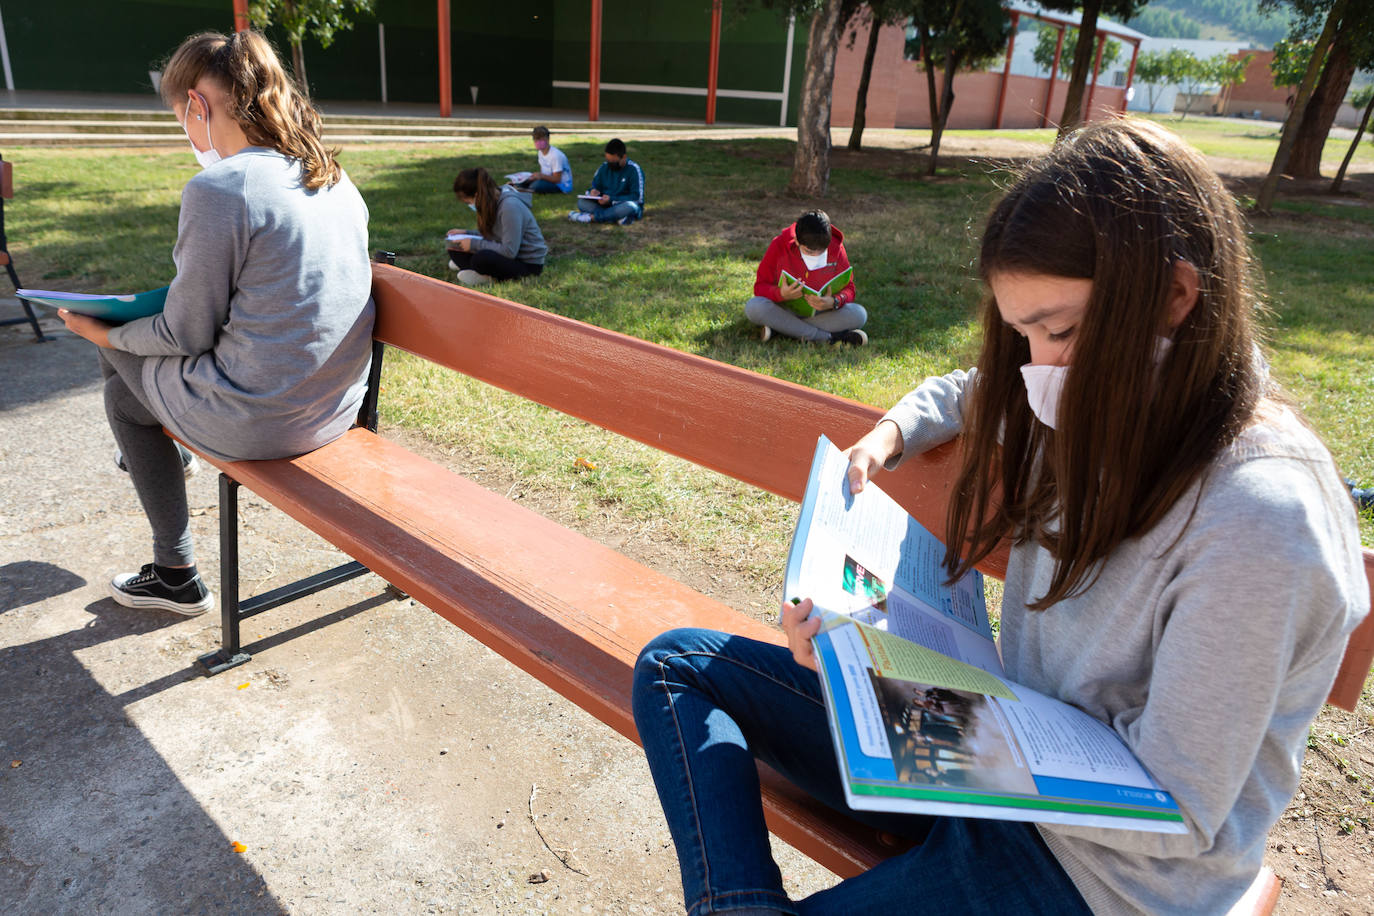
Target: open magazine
800, 306
109, 307
519, 177
923, 718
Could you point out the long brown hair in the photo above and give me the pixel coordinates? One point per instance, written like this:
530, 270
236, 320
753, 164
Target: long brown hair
263, 100
1119, 203
478, 184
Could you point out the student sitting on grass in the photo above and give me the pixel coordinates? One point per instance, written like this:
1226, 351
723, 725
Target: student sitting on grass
1185, 565
812, 252
619, 186
511, 245
1364, 498
555, 174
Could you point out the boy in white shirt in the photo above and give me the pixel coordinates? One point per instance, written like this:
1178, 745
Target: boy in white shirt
555, 174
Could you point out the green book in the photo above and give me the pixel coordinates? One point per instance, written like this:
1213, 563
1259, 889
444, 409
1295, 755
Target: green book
801, 306
116, 308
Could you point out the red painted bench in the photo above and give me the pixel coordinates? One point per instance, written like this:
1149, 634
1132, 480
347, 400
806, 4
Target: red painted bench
566, 609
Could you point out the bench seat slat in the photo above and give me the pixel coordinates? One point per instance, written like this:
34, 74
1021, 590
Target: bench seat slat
565, 609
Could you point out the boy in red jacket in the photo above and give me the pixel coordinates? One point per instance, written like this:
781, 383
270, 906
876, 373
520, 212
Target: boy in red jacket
811, 251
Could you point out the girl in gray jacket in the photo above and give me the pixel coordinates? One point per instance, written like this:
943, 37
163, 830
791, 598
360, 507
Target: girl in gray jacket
1184, 567
511, 245
263, 347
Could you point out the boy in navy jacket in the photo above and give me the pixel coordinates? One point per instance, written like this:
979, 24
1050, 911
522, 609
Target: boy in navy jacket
619, 186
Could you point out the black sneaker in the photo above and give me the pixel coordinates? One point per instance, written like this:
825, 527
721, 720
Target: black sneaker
146, 589
189, 463
855, 338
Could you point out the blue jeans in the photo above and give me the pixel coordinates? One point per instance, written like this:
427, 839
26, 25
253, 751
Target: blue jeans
707, 703
540, 186
611, 214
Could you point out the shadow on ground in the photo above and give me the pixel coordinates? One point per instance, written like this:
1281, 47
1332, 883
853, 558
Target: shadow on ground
75, 826
36, 372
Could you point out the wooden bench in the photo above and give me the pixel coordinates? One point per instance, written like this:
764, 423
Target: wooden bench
566, 609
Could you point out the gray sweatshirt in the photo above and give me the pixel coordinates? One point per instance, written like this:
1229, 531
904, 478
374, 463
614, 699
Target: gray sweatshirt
1208, 644
516, 233
263, 348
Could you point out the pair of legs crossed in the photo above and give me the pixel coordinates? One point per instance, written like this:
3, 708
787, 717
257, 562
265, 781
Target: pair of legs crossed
494, 265
610, 214
152, 457
540, 186
819, 327
707, 704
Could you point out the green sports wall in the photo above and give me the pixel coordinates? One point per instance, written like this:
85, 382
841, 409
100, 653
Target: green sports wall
512, 53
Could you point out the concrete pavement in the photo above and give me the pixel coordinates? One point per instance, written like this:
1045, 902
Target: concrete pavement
371, 758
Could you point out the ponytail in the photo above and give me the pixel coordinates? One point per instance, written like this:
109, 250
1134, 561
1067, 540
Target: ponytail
263, 100
478, 184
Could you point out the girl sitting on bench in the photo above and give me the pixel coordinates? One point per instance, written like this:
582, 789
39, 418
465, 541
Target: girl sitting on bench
1185, 565
263, 347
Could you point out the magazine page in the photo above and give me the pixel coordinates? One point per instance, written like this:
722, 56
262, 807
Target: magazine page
918, 733
862, 555
921, 713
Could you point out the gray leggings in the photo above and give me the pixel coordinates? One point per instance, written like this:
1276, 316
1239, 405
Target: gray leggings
151, 456
818, 327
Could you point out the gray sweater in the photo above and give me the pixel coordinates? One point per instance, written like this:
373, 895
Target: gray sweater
1208, 644
263, 347
516, 233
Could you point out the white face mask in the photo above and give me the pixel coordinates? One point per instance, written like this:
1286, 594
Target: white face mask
208, 157
1044, 384
814, 261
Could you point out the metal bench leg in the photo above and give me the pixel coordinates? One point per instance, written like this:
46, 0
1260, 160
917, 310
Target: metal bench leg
29, 315
230, 654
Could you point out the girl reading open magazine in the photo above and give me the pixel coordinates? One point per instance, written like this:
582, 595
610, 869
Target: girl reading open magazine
1185, 565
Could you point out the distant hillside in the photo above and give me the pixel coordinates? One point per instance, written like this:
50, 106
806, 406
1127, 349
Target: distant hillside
1221, 19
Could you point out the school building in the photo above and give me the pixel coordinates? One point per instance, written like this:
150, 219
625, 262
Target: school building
694, 60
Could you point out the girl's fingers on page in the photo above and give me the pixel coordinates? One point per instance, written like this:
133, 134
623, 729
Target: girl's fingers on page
858, 477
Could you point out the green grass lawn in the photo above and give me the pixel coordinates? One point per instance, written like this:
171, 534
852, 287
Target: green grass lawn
106, 220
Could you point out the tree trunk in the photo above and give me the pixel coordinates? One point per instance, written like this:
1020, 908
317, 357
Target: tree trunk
856, 132
1082, 63
937, 124
1306, 159
1350, 153
297, 52
298, 65
933, 101
1264, 198
811, 168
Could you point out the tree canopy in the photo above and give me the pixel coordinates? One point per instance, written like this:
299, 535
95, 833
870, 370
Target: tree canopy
320, 19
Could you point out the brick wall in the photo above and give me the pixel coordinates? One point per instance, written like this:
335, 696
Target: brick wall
898, 95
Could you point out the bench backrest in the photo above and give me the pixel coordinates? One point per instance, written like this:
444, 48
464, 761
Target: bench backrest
751, 427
